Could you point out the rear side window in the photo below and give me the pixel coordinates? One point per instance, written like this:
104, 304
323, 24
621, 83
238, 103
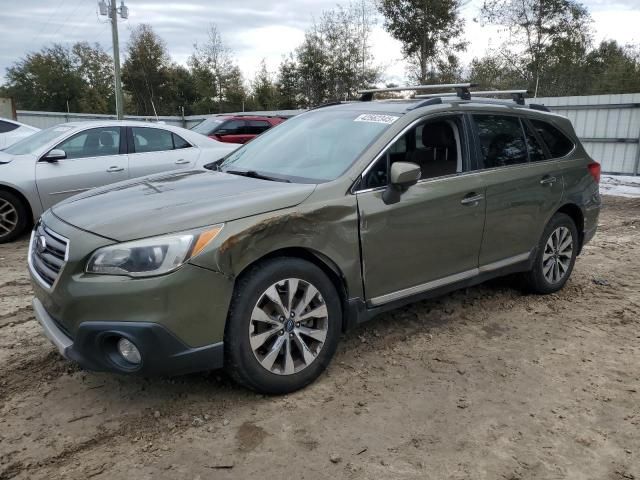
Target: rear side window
179, 142
151, 139
557, 142
502, 140
7, 126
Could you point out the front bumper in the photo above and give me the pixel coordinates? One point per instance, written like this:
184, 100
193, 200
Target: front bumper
94, 347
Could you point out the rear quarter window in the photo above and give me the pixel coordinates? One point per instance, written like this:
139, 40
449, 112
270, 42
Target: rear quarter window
7, 126
557, 142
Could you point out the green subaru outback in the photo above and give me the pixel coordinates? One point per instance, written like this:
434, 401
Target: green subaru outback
259, 262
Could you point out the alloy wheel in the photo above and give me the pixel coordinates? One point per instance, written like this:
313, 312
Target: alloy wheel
8, 218
557, 255
288, 326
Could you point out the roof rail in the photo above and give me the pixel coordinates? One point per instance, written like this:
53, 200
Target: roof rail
537, 106
462, 90
517, 95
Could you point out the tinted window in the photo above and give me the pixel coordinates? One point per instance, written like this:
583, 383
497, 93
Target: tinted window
7, 126
256, 127
95, 142
151, 139
557, 143
431, 145
232, 127
501, 140
536, 152
179, 142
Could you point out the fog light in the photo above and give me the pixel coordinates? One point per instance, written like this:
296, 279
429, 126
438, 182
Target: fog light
129, 351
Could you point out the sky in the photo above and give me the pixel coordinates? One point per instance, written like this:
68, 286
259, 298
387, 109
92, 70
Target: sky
253, 29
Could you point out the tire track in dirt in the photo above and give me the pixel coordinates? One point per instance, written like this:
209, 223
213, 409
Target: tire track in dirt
26, 375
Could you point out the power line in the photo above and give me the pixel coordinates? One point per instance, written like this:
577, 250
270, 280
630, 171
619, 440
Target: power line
68, 17
51, 16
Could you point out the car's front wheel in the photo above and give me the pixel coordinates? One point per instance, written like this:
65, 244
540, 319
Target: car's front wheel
13, 217
283, 327
555, 257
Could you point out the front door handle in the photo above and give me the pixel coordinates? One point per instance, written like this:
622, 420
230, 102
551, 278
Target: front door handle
182, 161
115, 168
472, 199
548, 180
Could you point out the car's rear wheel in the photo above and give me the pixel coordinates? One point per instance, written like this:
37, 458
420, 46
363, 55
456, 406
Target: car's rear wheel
283, 327
13, 217
555, 257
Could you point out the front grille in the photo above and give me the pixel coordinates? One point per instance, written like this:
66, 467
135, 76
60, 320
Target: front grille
47, 254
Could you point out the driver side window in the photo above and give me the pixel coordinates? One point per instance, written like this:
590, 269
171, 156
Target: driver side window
95, 142
434, 145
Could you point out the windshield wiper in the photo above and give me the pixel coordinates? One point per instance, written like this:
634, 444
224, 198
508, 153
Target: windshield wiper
254, 174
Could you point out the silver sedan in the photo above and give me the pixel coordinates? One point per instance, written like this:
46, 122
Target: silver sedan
61, 161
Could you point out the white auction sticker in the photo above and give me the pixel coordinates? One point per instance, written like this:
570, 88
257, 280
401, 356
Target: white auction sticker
376, 118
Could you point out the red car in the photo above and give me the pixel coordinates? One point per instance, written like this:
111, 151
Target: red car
236, 128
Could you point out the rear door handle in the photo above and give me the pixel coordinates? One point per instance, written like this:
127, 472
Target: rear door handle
472, 199
182, 161
548, 180
115, 168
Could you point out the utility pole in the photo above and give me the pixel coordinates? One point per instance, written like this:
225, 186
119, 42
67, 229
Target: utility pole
109, 9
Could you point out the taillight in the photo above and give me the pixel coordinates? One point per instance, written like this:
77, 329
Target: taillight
594, 170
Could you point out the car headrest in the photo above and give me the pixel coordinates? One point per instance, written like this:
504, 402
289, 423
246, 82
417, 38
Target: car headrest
437, 135
106, 139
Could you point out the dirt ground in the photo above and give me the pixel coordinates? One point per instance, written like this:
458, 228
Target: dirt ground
485, 383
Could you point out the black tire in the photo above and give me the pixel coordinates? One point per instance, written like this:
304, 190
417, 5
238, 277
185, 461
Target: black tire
17, 212
535, 279
240, 361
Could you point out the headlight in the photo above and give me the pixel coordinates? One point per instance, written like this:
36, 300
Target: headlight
151, 256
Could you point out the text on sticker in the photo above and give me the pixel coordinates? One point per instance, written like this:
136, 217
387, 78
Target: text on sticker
376, 118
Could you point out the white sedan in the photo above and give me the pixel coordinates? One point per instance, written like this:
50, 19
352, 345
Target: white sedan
12, 131
58, 162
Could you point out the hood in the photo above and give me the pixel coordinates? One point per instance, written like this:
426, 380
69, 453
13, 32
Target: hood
149, 206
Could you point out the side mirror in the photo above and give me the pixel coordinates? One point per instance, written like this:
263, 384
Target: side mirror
402, 176
54, 155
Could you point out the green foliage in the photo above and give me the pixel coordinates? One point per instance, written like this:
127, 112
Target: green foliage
146, 72
218, 80
612, 68
546, 38
334, 60
287, 84
265, 93
549, 51
430, 32
57, 78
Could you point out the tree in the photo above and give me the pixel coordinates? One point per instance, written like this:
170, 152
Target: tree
264, 93
429, 30
334, 60
287, 83
612, 68
95, 67
546, 37
216, 75
46, 80
145, 72
181, 93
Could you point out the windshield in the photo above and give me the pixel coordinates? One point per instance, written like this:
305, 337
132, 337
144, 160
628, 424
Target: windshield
207, 126
314, 147
36, 141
